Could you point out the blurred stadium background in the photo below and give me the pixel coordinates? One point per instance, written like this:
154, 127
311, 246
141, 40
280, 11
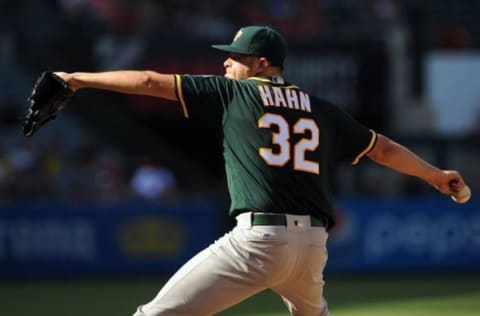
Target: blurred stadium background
107, 201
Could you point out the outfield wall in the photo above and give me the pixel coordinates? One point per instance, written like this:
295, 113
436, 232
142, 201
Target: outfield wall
144, 239
101, 239
405, 235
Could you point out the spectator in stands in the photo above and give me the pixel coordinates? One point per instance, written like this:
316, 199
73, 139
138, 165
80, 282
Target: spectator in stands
153, 181
123, 44
453, 37
77, 183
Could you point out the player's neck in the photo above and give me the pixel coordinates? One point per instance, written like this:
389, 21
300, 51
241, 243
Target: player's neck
271, 72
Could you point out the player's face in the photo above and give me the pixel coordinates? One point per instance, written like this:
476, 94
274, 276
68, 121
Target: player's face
239, 66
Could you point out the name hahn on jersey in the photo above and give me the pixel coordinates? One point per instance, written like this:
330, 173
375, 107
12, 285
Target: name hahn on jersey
286, 97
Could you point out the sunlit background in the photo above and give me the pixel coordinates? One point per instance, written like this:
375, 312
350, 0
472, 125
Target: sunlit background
109, 199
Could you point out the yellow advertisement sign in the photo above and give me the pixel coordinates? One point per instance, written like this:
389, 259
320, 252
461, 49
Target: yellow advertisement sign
152, 236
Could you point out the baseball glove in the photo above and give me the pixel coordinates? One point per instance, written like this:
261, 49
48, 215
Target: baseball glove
49, 95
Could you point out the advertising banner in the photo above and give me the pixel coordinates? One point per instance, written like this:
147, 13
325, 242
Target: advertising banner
56, 239
145, 239
405, 235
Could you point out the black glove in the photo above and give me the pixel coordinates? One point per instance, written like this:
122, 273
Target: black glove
49, 95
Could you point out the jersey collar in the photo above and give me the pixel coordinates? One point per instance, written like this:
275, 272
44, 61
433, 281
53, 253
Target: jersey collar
272, 79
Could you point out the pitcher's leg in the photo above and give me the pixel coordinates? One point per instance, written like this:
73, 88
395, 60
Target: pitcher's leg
299, 307
303, 292
304, 298
213, 280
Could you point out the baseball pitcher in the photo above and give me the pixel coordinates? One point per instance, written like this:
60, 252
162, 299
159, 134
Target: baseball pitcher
280, 144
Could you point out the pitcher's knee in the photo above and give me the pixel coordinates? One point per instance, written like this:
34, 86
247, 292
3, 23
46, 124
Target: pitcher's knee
325, 311
139, 312
159, 311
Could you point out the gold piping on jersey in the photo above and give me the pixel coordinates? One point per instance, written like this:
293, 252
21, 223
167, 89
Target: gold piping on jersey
179, 92
268, 80
373, 140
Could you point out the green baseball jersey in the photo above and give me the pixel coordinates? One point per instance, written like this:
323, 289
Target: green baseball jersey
279, 142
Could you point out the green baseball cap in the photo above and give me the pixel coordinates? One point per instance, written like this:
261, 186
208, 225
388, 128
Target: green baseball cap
260, 41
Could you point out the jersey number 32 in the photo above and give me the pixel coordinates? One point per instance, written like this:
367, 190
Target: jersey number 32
281, 138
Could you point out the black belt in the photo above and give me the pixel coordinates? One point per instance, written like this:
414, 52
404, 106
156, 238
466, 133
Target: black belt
281, 220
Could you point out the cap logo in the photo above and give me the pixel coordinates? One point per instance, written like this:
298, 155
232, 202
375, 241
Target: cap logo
239, 33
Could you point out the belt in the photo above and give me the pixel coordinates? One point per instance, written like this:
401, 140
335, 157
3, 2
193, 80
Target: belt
281, 220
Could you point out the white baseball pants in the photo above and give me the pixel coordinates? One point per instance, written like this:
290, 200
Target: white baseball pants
286, 259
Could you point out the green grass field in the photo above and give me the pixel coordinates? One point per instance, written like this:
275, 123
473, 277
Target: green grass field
355, 296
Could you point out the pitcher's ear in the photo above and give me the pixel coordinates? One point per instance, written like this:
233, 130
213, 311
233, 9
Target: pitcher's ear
264, 63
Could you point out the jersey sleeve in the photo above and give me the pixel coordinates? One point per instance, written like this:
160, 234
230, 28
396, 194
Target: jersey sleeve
352, 139
194, 93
